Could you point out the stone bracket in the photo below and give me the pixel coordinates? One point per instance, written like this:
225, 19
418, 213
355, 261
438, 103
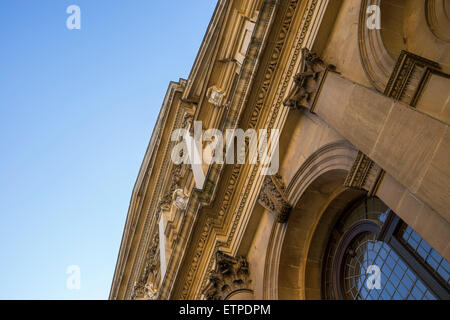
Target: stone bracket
308, 82
272, 198
364, 174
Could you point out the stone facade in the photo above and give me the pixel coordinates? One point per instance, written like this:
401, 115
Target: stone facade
360, 112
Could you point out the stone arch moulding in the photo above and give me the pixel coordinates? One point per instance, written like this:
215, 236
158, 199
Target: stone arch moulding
438, 18
318, 181
375, 58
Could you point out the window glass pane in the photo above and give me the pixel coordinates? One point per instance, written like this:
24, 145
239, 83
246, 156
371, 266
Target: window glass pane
426, 253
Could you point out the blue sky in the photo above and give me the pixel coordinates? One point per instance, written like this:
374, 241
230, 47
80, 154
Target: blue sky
77, 109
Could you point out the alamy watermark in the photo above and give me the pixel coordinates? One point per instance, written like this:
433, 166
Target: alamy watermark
373, 21
73, 22
211, 146
73, 282
374, 279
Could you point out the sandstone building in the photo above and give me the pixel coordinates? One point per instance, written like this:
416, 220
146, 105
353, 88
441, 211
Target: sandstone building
360, 205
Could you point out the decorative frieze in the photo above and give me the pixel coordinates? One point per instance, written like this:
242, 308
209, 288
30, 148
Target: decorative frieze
364, 175
272, 197
230, 274
308, 81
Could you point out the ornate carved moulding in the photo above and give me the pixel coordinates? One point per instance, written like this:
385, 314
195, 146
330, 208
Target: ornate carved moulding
407, 79
272, 197
148, 285
308, 82
364, 175
230, 274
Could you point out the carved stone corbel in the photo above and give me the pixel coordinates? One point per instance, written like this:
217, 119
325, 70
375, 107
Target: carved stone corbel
272, 197
230, 274
308, 82
364, 174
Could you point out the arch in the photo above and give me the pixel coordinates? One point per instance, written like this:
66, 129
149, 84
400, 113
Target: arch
316, 188
438, 18
377, 62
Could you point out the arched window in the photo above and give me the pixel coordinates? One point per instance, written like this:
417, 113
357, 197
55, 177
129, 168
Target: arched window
373, 255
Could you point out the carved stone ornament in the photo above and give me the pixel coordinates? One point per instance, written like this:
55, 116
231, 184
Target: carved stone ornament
229, 275
167, 199
180, 199
215, 96
138, 290
364, 175
410, 72
308, 81
187, 120
148, 285
272, 197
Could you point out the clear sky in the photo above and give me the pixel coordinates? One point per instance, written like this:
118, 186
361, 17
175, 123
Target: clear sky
77, 109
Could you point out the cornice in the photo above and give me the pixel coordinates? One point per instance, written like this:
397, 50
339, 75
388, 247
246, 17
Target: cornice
207, 49
164, 186
140, 188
